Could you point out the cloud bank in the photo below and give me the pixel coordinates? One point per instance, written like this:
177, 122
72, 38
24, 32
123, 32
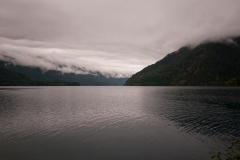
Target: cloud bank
118, 37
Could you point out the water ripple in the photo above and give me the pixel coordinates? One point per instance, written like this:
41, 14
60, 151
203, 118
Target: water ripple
111, 122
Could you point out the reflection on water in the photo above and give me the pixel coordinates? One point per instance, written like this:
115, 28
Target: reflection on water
116, 122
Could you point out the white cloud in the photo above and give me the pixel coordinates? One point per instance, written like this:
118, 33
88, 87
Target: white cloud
111, 36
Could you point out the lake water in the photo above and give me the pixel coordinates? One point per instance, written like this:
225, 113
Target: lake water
117, 123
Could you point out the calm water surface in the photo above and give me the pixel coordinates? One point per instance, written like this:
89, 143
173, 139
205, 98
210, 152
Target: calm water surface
111, 123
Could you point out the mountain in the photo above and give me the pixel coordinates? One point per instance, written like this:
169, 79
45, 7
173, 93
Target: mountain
23, 75
11, 78
209, 64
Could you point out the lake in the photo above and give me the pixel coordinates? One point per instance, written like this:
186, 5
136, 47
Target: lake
117, 123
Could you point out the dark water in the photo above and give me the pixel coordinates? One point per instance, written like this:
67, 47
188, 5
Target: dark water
111, 123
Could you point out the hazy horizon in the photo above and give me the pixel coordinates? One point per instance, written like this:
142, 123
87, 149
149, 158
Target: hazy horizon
115, 37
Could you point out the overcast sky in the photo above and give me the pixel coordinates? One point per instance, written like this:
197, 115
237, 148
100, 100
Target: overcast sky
111, 36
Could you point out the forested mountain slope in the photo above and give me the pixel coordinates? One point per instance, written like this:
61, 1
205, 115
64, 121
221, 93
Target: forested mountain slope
210, 64
23, 75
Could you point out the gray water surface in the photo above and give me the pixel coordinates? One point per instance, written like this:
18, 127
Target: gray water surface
111, 123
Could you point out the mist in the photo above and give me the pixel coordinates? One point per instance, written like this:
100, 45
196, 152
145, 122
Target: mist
114, 37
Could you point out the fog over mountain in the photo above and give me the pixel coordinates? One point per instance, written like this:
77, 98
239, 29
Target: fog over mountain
115, 37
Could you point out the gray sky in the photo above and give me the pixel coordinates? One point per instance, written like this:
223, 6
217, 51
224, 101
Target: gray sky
117, 37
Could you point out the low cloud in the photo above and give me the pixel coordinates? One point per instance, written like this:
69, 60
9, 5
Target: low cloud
115, 37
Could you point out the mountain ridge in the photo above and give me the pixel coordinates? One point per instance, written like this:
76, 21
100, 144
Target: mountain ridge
208, 64
37, 76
